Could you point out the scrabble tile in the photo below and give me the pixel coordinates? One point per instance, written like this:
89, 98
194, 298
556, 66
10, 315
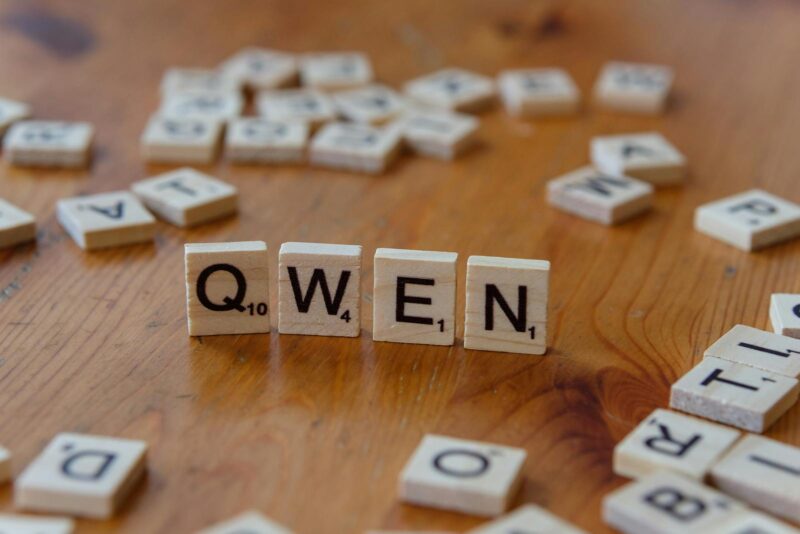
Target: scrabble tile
335, 70
312, 107
762, 472
213, 105
227, 288
528, 519
261, 68
667, 503
414, 296
81, 475
16, 225
259, 140
538, 92
48, 144
371, 104
453, 89
186, 197
251, 522
506, 305
667, 440
5, 465
633, 87
12, 111
106, 220
750, 220
178, 80
355, 147
784, 314
734, 394
466, 476
600, 197
749, 522
22, 524
646, 156
319, 288
168, 140
760, 349
439, 134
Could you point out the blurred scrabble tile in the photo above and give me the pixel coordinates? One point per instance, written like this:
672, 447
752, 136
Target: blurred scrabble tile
734, 394
414, 296
319, 288
259, 140
371, 104
527, 519
633, 87
749, 522
213, 105
600, 197
16, 225
261, 68
771, 352
12, 111
48, 144
335, 70
296, 105
186, 197
750, 220
81, 475
355, 147
439, 134
251, 522
453, 89
784, 313
227, 288
762, 472
646, 156
506, 305
25, 524
538, 92
465, 476
167, 140
667, 440
106, 220
178, 80
5, 465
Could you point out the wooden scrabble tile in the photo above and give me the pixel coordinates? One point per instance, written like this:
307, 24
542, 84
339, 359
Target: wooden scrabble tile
633, 87
600, 197
784, 314
371, 104
5, 465
506, 305
168, 140
750, 220
355, 147
227, 288
82, 475
251, 522
213, 105
319, 288
667, 440
12, 111
261, 68
48, 144
106, 220
186, 197
760, 349
414, 296
749, 522
528, 519
734, 394
335, 70
23, 524
667, 503
439, 134
259, 140
466, 476
296, 105
178, 80
646, 156
453, 89
16, 225
538, 92
762, 472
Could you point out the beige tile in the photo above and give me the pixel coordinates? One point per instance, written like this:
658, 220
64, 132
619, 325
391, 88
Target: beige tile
633, 87
16, 225
439, 134
184, 141
251, 522
12, 111
25, 524
335, 70
414, 296
646, 156
538, 92
528, 518
48, 144
466, 476
355, 147
212, 105
760, 349
227, 288
784, 314
259, 140
453, 89
81, 475
261, 68
371, 104
5, 466
309, 106
749, 522
179, 79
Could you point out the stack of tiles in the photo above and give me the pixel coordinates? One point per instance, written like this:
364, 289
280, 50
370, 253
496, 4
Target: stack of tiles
355, 147
48, 144
259, 140
539, 92
106, 220
16, 225
633, 87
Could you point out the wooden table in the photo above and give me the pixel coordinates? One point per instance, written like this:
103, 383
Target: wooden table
314, 431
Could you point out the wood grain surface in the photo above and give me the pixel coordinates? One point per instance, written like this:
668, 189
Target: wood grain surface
314, 431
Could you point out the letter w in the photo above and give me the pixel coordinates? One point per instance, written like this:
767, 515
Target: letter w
318, 278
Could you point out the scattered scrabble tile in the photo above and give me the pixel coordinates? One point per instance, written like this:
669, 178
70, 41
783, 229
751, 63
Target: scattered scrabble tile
186, 197
77, 474
48, 144
538, 92
764, 473
258, 140
227, 288
5, 465
784, 313
371, 104
506, 305
16, 225
525, 518
453, 89
439, 134
296, 105
466, 476
106, 220
335, 70
214, 105
414, 296
734, 394
750, 220
646, 156
167, 140
760, 349
261, 68
319, 288
355, 147
12, 111
22, 524
671, 441
749, 522
633, 87
247, 523
600, 197
178, 80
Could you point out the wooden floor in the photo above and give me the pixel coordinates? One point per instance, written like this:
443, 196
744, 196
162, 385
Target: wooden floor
314, 431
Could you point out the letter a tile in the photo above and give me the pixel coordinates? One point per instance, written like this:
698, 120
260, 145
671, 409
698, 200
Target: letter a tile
106, 220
